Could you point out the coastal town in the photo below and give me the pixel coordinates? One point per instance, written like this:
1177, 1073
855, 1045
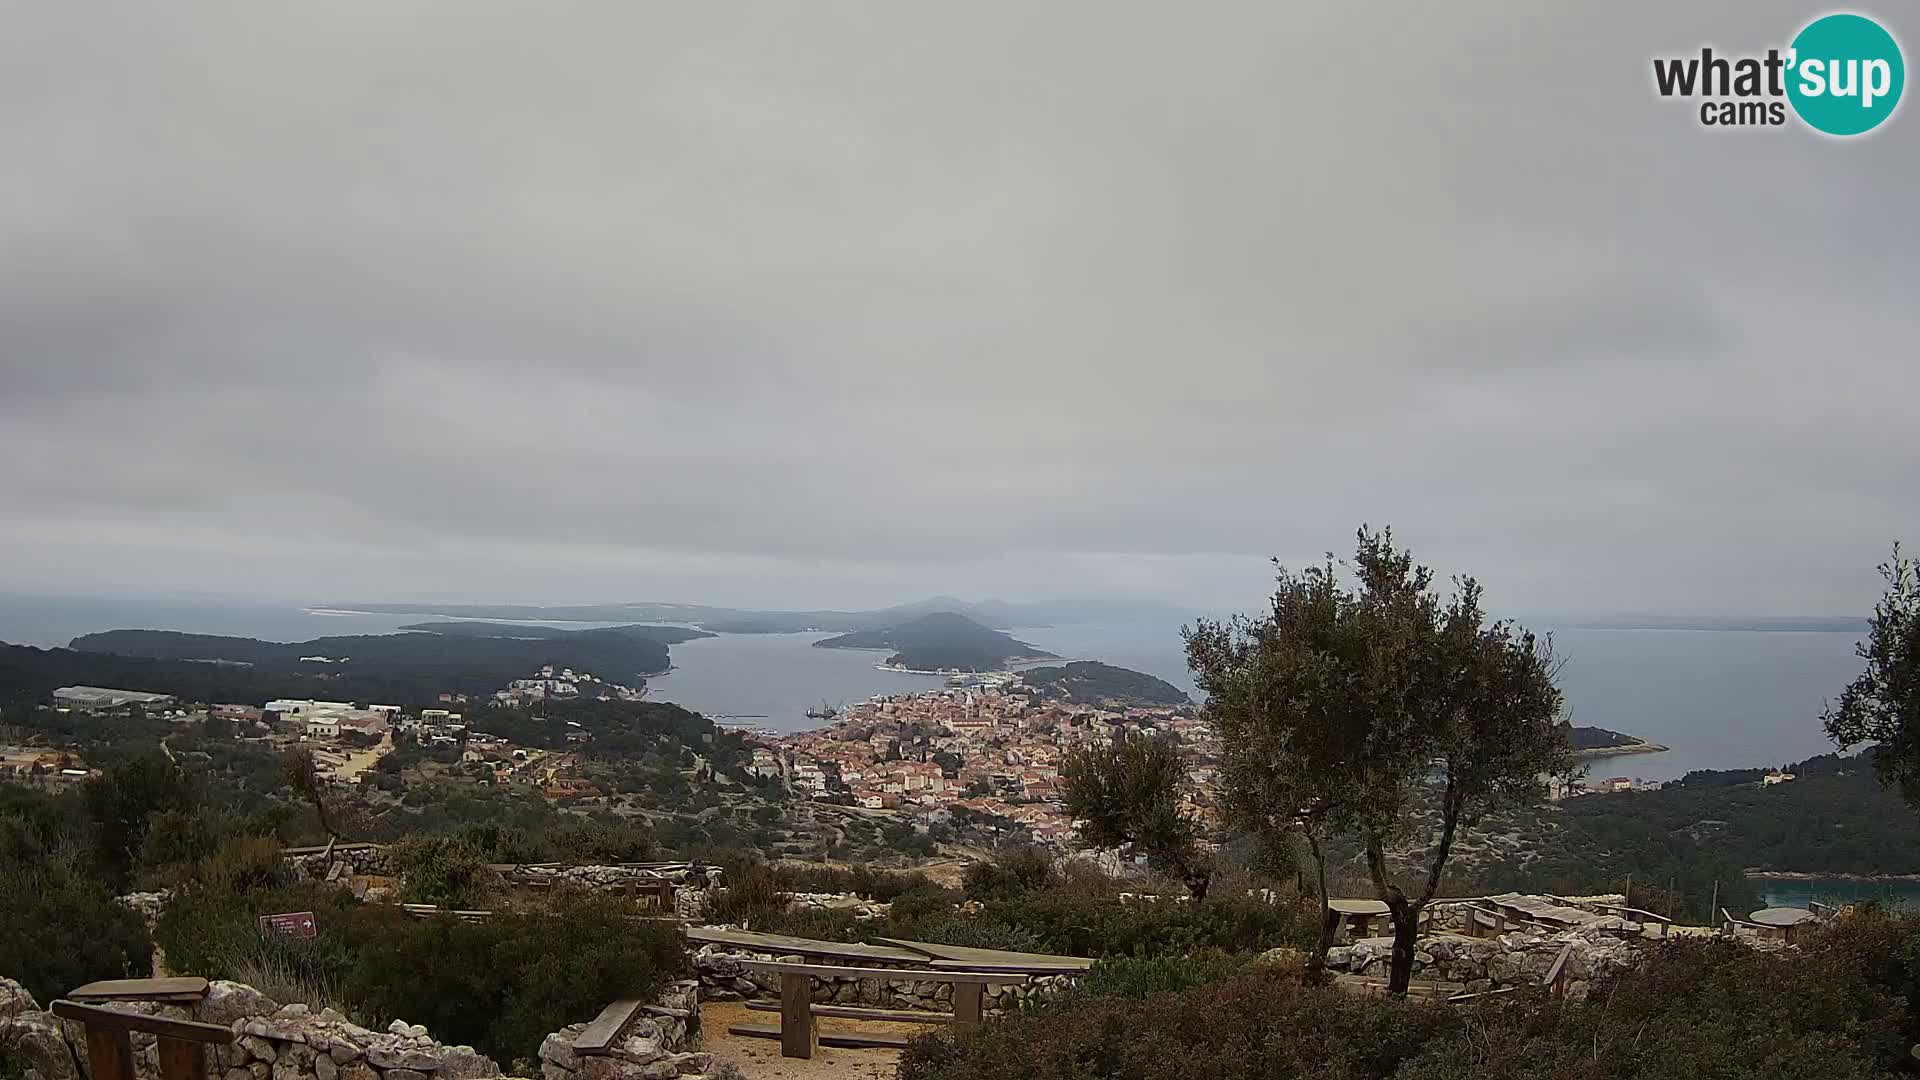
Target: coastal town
991, 746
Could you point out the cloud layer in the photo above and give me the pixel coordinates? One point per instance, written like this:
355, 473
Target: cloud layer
847, 303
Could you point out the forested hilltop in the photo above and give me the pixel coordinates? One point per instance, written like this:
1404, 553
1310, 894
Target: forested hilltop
1089, 682
942, 641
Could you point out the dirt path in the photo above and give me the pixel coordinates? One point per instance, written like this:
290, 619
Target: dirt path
760, 1058
363, 760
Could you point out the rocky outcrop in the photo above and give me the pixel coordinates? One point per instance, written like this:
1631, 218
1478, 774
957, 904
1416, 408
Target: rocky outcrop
148, 905
658, 1044
33, 1043
724, 978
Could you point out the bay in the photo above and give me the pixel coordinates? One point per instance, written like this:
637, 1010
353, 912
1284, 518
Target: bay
1718, 698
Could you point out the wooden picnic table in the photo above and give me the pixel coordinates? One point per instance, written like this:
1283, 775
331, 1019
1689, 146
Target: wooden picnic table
800, 1036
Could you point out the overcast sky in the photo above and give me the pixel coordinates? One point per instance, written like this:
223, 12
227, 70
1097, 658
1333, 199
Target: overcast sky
842, 304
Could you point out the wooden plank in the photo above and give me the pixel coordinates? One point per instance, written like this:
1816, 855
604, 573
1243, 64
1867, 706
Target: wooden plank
782, 943
799, 1035
140, 989
181, 1059
95, 1016
856, 1012
967, 1003
828, 971
1556, 975
961, 958
949, 966
842, 1040
606, 1028
1477, 995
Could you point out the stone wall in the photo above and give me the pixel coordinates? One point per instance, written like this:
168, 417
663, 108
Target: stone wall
660, 1043
273, 1042
861, 907
724, 978
1513, 959
293, 1042
363, 859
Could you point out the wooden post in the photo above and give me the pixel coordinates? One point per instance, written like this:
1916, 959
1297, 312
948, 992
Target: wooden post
1714, 907
968, 998
182, 1060
109, 1052
799, 1037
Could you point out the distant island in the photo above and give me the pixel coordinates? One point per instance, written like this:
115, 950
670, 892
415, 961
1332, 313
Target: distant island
941, 642
724, 620
1089, 682
664, 635
1599, 742
404, 668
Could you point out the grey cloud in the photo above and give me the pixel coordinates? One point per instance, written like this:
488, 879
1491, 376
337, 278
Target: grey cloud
852, 302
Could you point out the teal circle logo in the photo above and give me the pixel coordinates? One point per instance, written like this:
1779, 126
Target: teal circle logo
1845, 74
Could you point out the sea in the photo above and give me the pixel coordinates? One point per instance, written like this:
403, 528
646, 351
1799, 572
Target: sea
1718, 699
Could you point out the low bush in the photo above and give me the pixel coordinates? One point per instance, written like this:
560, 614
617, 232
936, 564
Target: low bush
1836, 1008
1056, 921
443, 870
60, 926
500, 984
1011, 873
1138, 977
503, 983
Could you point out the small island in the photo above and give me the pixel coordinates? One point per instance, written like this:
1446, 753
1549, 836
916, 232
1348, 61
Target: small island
1600, 742
941, 643
1089, 682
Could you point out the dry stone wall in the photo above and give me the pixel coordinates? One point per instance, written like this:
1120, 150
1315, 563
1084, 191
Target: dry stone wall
723, 977
272, 1042
293, 1042
1513, 959
657, 1045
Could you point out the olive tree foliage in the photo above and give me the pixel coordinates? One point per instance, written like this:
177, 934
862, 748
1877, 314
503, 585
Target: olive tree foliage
1127, 793
1882, 705
1362, 701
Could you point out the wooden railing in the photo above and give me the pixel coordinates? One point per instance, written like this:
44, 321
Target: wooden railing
182, 1043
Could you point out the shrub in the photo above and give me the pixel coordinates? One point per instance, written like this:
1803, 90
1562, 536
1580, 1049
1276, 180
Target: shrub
503, 983
500, 984
1836, 1008
444, 870
1137, 977
60, 926
1013, 872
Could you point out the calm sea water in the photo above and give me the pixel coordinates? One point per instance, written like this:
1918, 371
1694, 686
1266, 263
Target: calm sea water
1719, 699
1836, 891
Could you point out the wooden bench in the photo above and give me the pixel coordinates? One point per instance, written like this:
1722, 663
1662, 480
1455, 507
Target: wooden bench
182, 1043
799, 1034
599, 1036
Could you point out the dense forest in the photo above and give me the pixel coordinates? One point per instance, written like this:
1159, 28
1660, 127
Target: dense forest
942, 641
1089, 682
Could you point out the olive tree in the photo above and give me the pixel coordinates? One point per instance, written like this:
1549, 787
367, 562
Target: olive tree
1366, 705
1127, 793
1882, 705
